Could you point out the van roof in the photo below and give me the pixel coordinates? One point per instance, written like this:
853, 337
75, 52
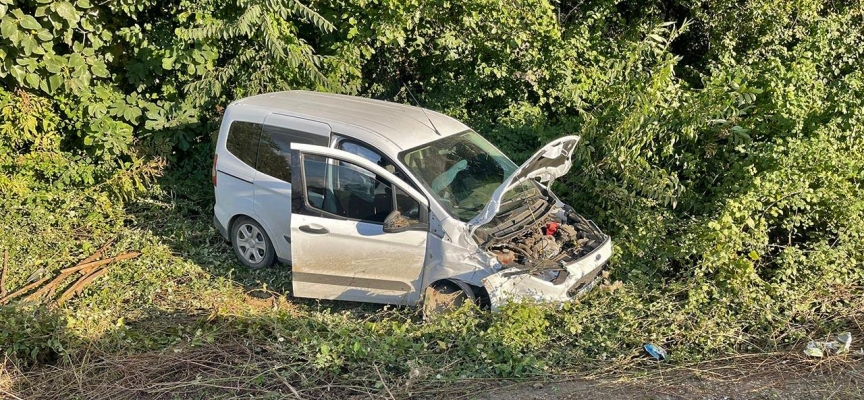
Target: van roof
403, 125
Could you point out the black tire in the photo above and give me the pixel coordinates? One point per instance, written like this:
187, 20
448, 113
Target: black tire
443, 297
251, 244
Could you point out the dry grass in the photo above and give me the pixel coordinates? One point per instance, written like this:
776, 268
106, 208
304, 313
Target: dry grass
240, 369
236, 366
230, 369
241, 366
224, 371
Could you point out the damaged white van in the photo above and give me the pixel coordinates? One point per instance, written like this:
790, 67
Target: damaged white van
381, 202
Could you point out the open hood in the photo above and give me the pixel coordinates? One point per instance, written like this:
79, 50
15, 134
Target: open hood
547, 164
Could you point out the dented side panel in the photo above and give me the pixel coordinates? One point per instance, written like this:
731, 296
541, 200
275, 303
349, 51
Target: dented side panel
454, 255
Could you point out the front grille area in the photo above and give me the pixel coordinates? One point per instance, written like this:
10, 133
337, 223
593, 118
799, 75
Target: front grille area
584, 281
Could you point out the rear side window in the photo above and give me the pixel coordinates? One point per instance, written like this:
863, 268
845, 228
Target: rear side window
274, 155
243, 141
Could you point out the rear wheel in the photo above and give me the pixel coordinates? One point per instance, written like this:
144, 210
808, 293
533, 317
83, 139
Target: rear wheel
251, 243
443, 297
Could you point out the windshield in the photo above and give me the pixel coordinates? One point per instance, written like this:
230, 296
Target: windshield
462, 171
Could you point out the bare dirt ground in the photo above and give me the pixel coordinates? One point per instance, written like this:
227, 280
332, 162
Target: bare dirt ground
745, 378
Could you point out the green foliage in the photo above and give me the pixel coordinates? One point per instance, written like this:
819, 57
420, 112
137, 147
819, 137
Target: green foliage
128, 87
32, 335
262, 44
520, 327
188, 294
713, 173
722, 148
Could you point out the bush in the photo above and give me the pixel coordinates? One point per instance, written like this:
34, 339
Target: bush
722, 148
32, 335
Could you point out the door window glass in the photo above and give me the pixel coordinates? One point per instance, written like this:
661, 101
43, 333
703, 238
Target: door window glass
406, 205
274, 158
362, 151
375, 157
347, 190
314, 172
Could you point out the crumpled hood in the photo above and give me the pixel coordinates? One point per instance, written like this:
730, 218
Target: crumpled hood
547, 164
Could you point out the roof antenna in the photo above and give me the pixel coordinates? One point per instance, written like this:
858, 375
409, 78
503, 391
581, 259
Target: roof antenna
434, 128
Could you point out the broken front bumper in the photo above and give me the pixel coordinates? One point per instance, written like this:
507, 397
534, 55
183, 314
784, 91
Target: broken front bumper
509, 285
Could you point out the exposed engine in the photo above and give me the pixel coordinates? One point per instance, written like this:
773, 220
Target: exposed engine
542, 244
546, 242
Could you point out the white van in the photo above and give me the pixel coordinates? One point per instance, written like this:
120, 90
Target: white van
381, 202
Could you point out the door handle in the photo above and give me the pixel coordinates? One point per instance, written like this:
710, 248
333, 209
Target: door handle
315, 230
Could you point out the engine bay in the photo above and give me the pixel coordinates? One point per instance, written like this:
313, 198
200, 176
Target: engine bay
542, 242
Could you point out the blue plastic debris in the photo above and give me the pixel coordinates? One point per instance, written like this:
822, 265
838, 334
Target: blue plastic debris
655, 351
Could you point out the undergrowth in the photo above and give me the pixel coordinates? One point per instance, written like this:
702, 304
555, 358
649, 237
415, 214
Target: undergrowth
722, 147
186, 306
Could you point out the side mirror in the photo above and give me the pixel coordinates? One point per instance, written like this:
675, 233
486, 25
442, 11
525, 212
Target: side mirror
395, 223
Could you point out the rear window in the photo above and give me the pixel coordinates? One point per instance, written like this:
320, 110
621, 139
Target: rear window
243, 141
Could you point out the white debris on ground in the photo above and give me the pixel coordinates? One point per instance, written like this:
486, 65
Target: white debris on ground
839, 345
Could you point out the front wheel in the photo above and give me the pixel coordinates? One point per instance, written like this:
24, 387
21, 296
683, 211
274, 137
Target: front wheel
251, 243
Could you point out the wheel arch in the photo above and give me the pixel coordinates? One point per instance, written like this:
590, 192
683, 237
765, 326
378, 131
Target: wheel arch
470, 290
234, 219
